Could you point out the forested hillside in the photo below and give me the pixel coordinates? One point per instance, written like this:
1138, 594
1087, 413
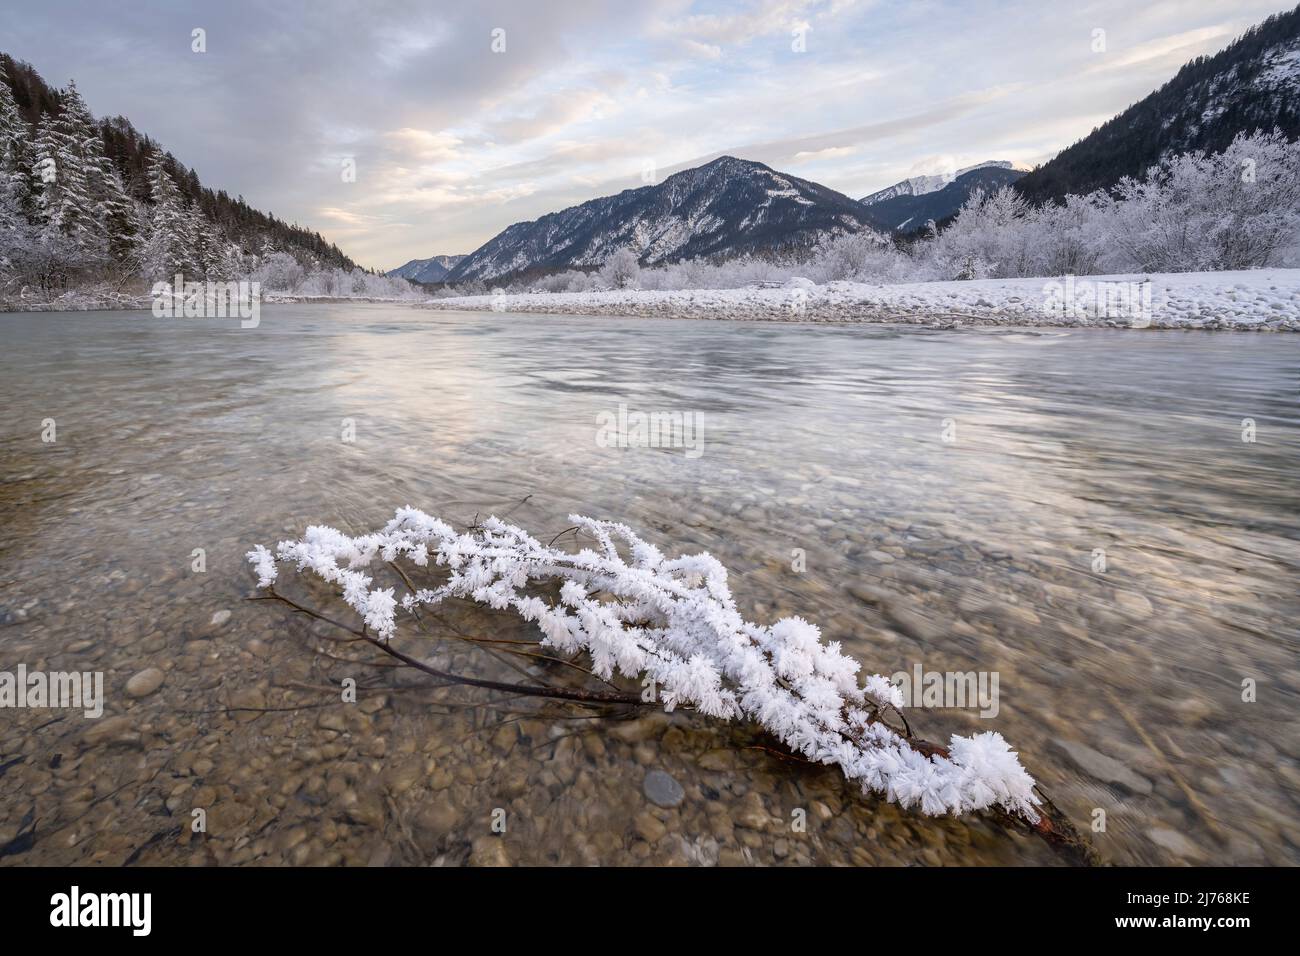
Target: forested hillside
85, 200
1253, 84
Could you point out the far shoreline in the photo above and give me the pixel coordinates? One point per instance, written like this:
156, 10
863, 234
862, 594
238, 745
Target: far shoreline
1261, 300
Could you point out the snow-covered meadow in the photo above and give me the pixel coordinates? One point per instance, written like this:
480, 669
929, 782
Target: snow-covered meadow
1253, 300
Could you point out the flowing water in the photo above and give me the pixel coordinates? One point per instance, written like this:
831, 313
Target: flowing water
1075, 512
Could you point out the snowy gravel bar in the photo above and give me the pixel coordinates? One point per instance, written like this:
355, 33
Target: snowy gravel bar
1253, 300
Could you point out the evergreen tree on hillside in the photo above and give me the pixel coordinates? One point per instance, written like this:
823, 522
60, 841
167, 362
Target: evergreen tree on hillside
208, 244
15, 160
1246, 87
168, 248
99, 202
113, 213
15, 136
63, 195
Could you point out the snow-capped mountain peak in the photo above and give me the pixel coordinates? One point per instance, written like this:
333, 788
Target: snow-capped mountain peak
920, 185
909, 205
725, 207
433, 269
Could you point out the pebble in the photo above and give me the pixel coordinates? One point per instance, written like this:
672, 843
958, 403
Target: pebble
145, 682
1175, 843
751, 813
331, 720
649, 827
1104, 768
247, 704
915, 626
114, 730
718, 759
662, 790
1134, 603
438, 819
220, 618
489, 851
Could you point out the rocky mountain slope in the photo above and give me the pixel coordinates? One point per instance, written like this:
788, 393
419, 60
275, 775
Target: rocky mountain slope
723, 208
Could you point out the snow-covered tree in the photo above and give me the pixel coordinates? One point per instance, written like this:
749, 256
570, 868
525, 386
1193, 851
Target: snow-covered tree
279, 272
988, 237
620, 270
168, 247
857, 257
62, 187
206, 243
17, 237
80, 194
15, 134
1237, 209
1065, 239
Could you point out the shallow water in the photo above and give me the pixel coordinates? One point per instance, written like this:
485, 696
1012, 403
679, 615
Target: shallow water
976, 554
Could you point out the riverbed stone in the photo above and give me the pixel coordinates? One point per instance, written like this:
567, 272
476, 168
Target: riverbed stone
489, 851
145, 682
1135, 604
111, 730
662, 790
649, 827
1104, 768
1175, 843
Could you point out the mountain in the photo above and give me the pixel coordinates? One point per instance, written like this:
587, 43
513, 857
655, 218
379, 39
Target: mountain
1252, 84
723, 208
908, 205
920, 185
433, 269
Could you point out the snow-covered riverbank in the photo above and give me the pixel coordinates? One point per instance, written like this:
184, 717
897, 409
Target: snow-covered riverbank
1256, 300
97, 302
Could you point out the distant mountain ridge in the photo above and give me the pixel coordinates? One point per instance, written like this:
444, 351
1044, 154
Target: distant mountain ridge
920, 185
909, 205
726, 207
433, 269
1254, 83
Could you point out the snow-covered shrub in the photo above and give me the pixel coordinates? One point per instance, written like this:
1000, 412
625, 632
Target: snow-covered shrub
858, 257
674, 622
1238, 209
1066, 238
988, 238
620, 270
279, 272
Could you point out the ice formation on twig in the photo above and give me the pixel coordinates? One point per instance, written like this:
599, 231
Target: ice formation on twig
673, 621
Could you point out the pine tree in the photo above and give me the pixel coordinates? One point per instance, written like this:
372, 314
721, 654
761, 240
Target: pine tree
15, 156
15, 137
111, 208
118, 212
62, 175
205, 241
168, 247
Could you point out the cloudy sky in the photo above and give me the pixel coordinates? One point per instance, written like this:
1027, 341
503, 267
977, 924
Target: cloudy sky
453, 140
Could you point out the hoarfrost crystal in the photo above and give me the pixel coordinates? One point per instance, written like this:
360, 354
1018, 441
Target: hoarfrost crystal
675, 622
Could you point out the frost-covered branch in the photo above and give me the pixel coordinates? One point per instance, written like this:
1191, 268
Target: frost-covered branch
673, 622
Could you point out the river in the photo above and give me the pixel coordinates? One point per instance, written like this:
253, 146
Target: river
1108, 521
